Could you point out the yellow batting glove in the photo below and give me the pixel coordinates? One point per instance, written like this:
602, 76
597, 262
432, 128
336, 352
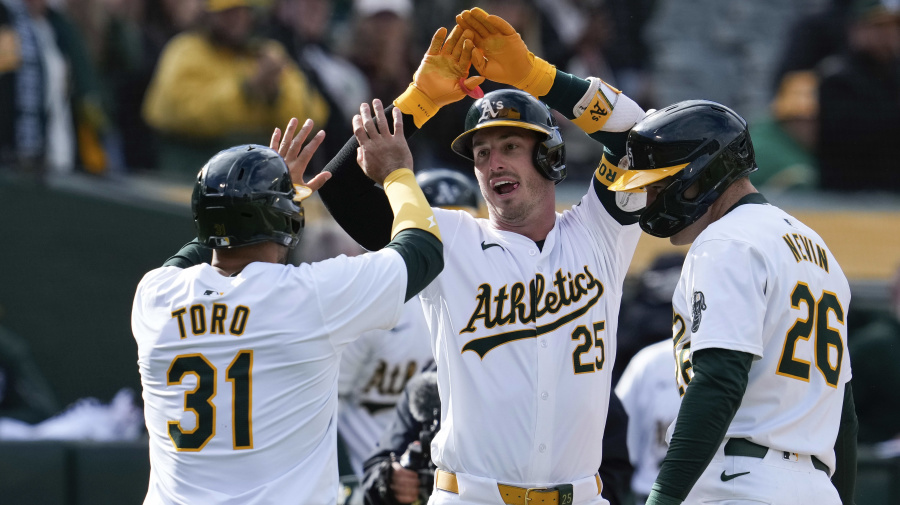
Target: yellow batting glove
442, 77
506, 58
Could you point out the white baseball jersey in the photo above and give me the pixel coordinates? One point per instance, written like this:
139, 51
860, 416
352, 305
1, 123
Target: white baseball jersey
240, 373
374, 370
524, 340
760, 281
648, 393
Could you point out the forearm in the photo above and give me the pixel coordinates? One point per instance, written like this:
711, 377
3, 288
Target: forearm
707, 408
601, 111
844, 477
415, 234
359, 206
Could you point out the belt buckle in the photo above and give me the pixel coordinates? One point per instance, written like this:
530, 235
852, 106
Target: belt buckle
532, 490
564, 493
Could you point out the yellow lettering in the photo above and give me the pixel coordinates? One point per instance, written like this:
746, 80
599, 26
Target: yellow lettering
179, 315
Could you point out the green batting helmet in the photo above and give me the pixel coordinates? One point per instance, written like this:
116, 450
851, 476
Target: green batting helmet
511, 107
244, 195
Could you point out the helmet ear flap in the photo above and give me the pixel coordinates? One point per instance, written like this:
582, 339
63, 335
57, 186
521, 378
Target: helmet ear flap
550, 156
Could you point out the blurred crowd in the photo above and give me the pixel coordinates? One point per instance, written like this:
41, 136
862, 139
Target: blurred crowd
112, 87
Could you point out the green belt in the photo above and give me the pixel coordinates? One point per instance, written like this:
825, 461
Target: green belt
746, 448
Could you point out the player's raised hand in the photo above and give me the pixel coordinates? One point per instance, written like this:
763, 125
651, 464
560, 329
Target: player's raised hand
297, 156
502, 56
442, 76
380, 152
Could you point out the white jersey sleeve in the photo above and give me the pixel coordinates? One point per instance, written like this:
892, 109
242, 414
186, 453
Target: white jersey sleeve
726, 282
648, 393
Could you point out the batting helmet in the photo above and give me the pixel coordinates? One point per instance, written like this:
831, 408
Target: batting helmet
696, 143
244, 195
511, 107
448, 188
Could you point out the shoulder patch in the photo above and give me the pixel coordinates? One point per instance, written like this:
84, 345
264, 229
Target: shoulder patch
698, 306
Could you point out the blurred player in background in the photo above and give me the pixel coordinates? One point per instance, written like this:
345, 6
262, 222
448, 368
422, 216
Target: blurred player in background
648, 392
376, 367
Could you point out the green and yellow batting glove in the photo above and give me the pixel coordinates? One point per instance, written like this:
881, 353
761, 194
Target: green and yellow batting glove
504, 56
442, 77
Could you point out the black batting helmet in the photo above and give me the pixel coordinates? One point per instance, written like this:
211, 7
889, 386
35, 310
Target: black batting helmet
448, 188
695, 142
511, 107
244, 195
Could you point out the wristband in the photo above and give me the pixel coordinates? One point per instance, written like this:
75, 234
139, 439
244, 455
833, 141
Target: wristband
540, 79
593, 116
416, 104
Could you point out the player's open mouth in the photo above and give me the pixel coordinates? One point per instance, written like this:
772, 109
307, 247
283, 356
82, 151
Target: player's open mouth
505, 187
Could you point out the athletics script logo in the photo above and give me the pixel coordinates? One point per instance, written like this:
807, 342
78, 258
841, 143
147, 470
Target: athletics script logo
567, 298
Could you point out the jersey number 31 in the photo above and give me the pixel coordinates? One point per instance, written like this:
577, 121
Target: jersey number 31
200, 400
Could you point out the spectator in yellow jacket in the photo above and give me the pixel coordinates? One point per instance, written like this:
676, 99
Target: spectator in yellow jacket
219, 85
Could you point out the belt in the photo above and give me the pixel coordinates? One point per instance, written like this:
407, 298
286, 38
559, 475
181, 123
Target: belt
514, 495
746, 448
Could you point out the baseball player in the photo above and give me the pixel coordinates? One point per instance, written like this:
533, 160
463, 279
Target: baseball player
651, 402
376, 367
759, 324
239, 357
523, 319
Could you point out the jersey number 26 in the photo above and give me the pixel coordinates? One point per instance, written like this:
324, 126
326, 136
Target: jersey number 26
826, 337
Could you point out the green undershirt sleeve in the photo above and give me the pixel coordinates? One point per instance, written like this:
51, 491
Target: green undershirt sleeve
707, 408
423, 254
844, 477
190, 254
567, 90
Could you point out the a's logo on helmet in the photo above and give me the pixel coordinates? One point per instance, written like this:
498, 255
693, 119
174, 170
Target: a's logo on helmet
630, 156
446, 194
699, 305
493, 110
219, 229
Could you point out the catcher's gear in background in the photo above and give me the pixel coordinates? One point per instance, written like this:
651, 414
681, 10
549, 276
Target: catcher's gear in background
449, 189
511, 107
694, 142
244, 195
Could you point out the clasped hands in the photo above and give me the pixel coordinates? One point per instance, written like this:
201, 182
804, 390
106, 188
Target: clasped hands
478, 39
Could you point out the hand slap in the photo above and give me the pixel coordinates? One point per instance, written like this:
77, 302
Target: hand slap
442, 76
380, 152
297, 156
501, 55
